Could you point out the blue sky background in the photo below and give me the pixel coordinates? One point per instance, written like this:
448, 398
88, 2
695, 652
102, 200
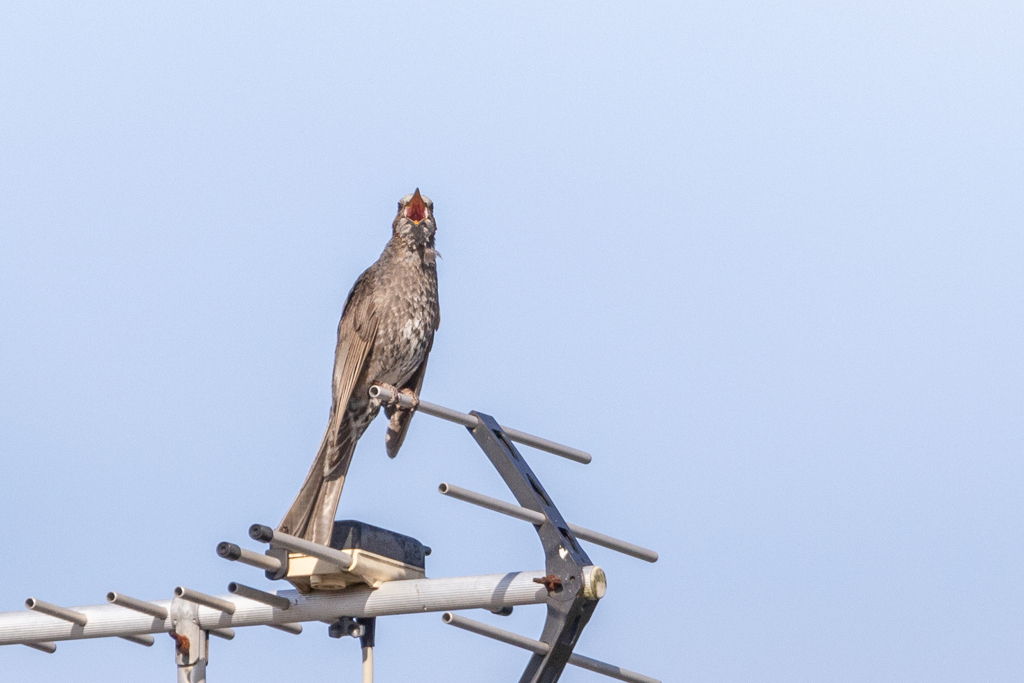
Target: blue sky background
762, 260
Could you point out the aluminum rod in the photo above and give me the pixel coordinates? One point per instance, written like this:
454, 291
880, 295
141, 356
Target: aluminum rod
467, 420
537, 647
264, 534
534, 517
225, 633
42, 646
479, 499
256, 594
543, 444
491, 592
204, 599
57, 611
367, 664
149, 608
230, 551
609, 670
499, 634
145, 639
294, 629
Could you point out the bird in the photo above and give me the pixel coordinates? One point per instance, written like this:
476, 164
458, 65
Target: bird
385, 336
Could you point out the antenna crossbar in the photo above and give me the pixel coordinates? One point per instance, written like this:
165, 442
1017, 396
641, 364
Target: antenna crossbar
490, 591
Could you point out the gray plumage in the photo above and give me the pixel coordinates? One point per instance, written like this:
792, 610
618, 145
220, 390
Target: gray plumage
384, 337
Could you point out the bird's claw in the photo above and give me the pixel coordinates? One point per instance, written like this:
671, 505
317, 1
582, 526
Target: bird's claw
413, 398
395, 402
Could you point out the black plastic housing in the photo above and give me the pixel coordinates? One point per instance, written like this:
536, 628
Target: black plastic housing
352, 535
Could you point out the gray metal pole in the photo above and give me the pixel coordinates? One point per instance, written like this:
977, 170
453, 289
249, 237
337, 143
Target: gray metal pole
540, 648
467, 420
534, 517
191, 650
195, 673
367, 664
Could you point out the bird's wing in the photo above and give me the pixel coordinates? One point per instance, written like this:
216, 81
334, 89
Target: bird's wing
356, 333
311, 516
400, 419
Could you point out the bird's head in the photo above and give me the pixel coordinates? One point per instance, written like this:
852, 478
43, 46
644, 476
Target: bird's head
415, 219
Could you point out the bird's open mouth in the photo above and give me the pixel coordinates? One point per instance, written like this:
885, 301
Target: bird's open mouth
416, 210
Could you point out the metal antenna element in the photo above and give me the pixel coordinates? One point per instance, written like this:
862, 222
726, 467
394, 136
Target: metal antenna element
225, 606
264, 534
532, 517
294, 629
145, 640
540, 648
470, 421
230, 551
149, 608
259, 596
56, 611
42, 646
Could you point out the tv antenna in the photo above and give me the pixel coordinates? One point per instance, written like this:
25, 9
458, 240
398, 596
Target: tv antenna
367, 572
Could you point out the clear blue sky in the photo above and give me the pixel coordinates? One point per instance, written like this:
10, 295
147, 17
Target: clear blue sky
764, 261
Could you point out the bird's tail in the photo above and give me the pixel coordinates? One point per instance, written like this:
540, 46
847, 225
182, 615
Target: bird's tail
311, 516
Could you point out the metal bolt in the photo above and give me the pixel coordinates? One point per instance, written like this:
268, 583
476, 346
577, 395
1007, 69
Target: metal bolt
551, 582
181, 643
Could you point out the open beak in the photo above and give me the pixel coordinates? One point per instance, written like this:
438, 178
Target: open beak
416, 210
